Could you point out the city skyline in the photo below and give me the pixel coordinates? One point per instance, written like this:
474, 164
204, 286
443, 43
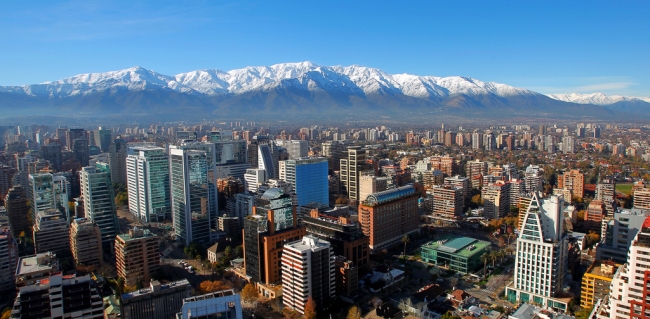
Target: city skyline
550, 48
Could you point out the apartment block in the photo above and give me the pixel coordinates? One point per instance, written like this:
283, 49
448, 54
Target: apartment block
447, 201
389, 215
136, 256
596, 282
86, 242
642, 197
573, 180
618, 233
628, 296
59, 296
594, 215
51, 233
347, 277
444, 163
307, 271
31, 269
496, 200
369, 184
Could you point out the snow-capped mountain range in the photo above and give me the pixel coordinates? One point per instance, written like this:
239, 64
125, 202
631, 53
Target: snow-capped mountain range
596, 98
299, 87
356, 79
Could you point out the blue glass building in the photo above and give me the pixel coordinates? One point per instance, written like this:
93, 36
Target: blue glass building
309, 179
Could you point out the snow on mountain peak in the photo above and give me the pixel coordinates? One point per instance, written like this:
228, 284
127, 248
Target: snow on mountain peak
595, 98
353, 79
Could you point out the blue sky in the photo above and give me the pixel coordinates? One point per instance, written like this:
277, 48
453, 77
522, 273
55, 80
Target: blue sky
546, 46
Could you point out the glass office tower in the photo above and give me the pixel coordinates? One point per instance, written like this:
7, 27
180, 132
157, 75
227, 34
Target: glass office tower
308, 176
148, 183
193, 196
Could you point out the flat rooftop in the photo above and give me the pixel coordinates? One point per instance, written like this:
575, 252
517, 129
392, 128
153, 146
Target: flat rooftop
458, 245
148, 290
600, 268
30, 264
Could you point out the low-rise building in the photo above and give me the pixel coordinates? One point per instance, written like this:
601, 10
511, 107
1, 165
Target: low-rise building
220, 304
461, 254
156, 301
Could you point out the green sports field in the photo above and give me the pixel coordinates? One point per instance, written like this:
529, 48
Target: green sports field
624, 188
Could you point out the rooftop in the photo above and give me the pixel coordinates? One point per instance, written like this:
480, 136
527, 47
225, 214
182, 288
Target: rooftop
528, 311
603, 268
389, 195
461, 246
36, 263
156, 286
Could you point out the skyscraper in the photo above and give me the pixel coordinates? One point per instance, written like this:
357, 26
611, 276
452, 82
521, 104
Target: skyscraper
273, 223
307, 271
117, 160
265, 160
193, 196
352, 164
230, 155
73, 134
541, 262
99, 200
308, 176
8, 260
148, 183
103, 139
47, 191
296, 148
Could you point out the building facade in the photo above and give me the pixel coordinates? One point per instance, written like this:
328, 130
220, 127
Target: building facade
156, 301
137, 256
307, 271
542, 255
389, 215
193, 195
308, 176
220, 304
51, 233
147, 175
99, 200
345, 236
351, 166
86, 242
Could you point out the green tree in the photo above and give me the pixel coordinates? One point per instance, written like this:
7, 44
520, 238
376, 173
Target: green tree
406, 239
238, 252
228, 252
485, 258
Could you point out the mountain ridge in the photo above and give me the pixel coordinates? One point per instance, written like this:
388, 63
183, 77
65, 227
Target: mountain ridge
301, 87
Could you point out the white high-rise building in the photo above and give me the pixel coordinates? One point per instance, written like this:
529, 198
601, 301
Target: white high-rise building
541, 260
568, 144
147, 174
628, 291
307, 271
253, 178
